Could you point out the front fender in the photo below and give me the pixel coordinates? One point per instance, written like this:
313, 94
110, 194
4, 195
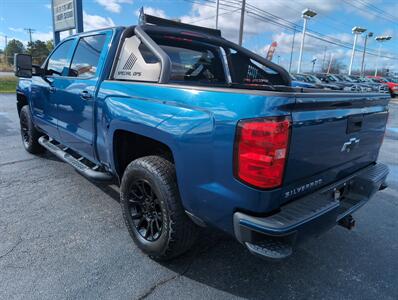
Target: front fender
23, 92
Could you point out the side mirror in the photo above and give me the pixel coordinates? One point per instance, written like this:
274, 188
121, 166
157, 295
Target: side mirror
23, 65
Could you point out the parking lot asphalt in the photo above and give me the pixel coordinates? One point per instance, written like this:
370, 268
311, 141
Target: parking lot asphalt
62, 236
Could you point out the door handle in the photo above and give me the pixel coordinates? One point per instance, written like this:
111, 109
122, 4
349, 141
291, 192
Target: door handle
52, 89
85, 95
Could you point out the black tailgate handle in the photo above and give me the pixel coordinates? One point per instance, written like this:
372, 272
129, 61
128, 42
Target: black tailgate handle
354, 123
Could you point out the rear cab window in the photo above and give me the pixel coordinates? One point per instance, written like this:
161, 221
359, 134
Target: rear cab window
193, 62
86, 57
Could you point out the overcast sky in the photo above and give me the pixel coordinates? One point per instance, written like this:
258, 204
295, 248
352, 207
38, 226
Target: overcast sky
335, 20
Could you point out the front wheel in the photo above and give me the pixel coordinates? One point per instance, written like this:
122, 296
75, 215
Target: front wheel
152, 209
30, 135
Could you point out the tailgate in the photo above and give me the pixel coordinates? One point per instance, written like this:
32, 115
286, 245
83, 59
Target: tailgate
333, 135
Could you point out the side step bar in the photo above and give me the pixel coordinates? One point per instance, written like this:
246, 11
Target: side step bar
58, 150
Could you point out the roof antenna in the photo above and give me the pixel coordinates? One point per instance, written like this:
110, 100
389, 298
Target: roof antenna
141, 18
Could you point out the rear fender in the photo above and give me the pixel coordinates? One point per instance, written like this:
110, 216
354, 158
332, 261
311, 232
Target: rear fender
171, 125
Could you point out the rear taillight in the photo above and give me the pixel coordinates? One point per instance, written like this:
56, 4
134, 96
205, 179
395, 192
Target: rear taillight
261, 147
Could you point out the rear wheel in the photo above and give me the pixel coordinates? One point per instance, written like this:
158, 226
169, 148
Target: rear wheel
30, 135
152, 208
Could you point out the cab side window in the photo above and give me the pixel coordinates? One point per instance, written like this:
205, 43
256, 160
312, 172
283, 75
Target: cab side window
58, 60
85, 60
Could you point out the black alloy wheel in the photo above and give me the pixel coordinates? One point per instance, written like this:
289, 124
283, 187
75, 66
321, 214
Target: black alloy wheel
152, 208
25, 134
30, 135
145, 210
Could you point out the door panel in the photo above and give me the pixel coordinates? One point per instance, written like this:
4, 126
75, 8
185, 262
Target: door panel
43, 102
76, 94
44, 109
75, 121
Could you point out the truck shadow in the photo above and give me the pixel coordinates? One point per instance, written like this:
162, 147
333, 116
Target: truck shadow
222, 263
336, 265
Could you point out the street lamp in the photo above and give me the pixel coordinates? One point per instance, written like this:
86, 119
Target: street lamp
356, 31
381, 39
313, 64
306, 14
370, 34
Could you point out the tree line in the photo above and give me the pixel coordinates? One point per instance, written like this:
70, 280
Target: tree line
38, 49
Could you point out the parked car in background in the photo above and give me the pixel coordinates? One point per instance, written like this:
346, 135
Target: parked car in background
379, 87
392, 83
314, 80
299, 81
332, 79
364, 87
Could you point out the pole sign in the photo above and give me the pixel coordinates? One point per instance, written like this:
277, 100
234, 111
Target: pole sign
64, 15
67, 15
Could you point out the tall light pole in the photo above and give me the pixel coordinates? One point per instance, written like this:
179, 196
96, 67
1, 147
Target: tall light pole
217, 10
370, 34
313, 64
356, 31
5, 48
306, 14
381, 39
291, 51
242, 21
324, 58
330, 63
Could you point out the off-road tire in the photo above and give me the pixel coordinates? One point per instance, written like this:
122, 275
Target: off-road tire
178, 232
30, 135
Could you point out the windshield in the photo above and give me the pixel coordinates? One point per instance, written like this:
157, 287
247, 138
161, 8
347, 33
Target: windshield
340, 78
332, 78
313, 79
364, 79
346, 78
300, 77
352, 78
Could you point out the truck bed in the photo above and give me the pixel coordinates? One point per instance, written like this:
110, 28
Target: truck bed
322, 123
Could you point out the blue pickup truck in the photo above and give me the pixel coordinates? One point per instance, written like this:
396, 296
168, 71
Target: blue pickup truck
199, 131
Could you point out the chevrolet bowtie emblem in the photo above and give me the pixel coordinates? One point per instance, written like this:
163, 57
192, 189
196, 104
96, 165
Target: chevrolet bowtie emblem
350, 145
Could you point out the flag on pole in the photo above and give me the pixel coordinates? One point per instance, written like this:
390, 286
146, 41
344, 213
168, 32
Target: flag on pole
271, 50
